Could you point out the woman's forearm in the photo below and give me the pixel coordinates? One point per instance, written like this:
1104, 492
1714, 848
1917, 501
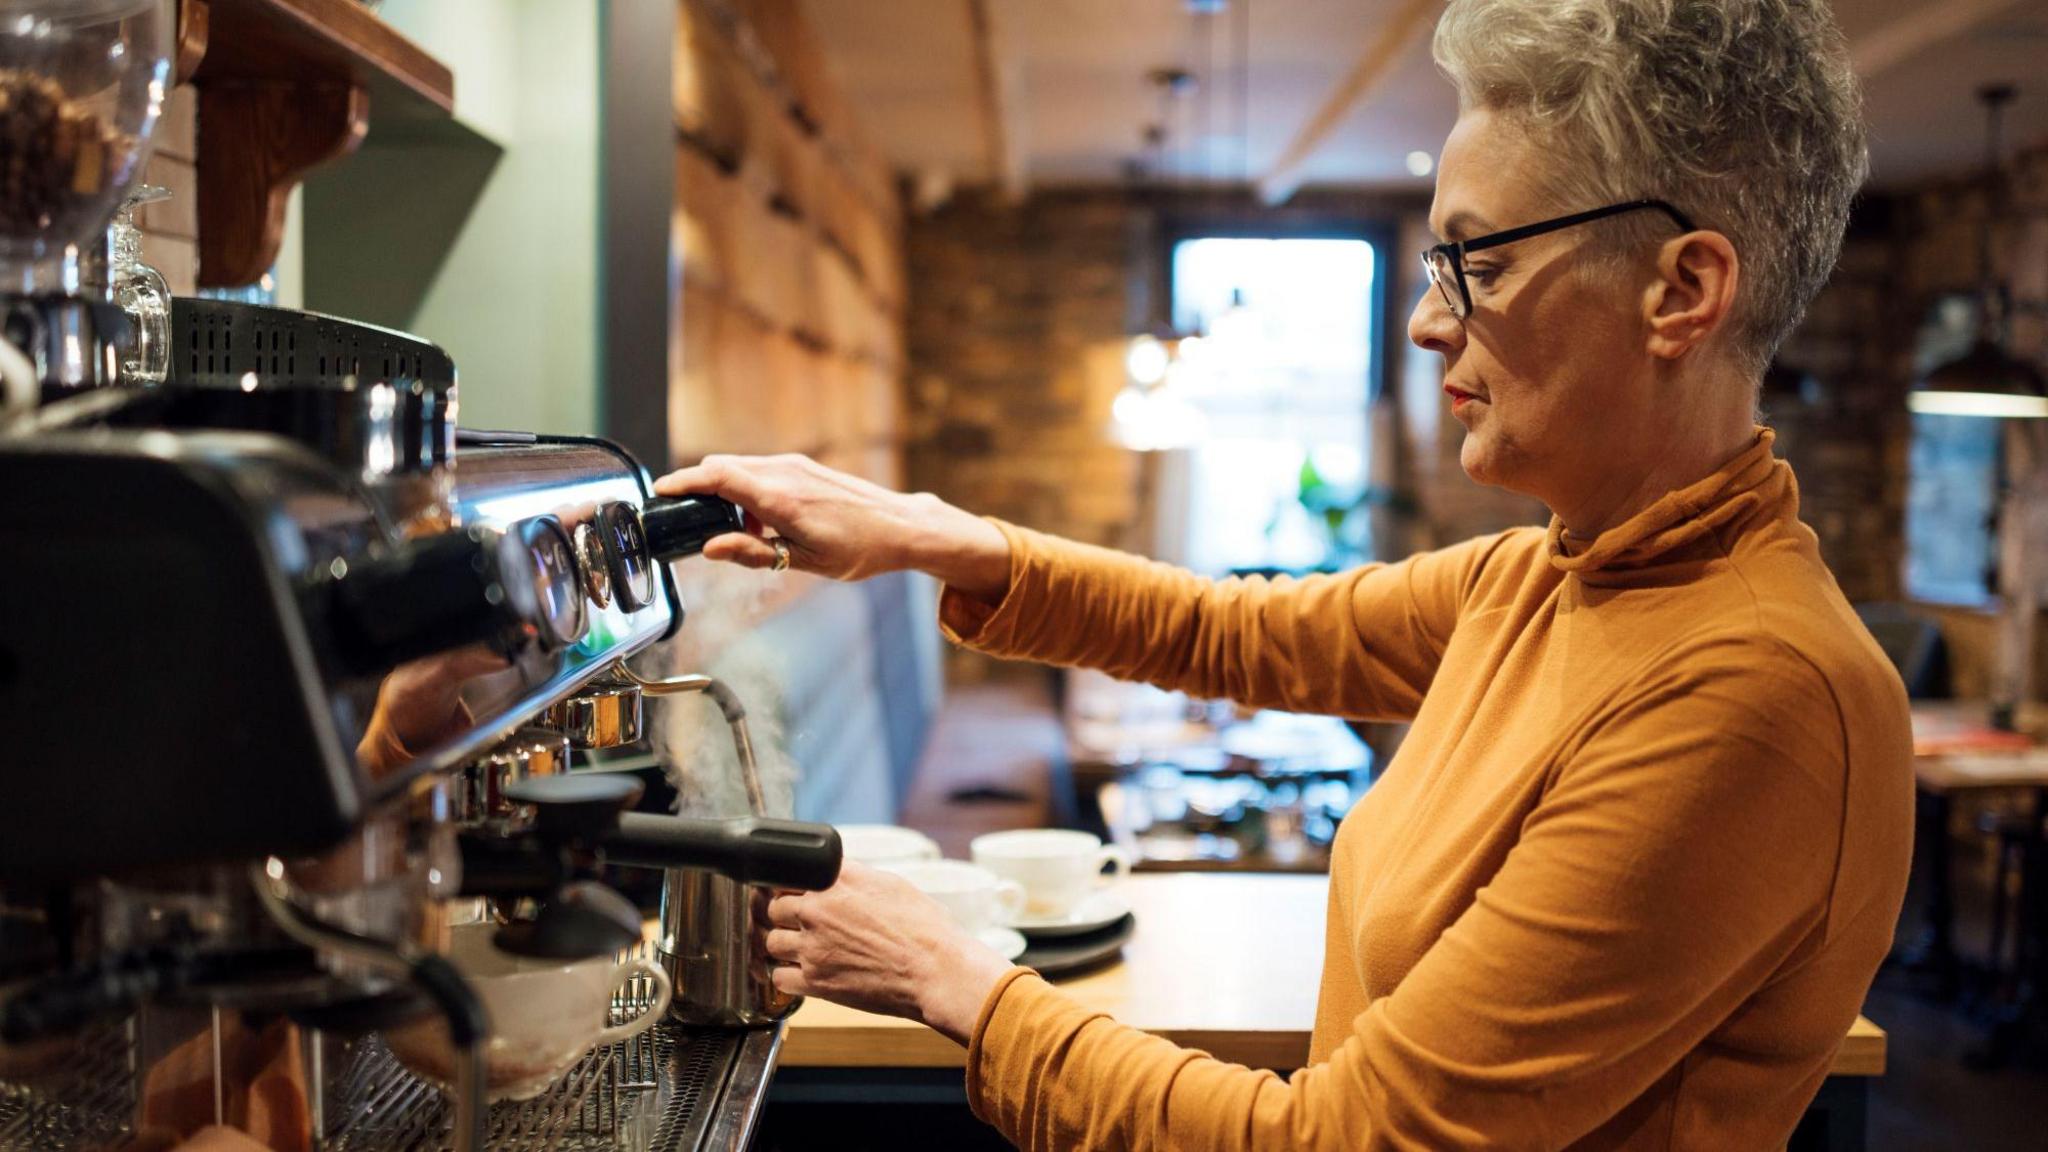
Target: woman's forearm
957, 986
965, 552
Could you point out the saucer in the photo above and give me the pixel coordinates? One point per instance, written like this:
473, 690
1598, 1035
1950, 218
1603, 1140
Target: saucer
1056, 957
1097, 910
1007, 941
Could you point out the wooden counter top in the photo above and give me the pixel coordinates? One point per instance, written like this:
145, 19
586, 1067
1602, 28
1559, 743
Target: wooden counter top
1224, 963
1227, 963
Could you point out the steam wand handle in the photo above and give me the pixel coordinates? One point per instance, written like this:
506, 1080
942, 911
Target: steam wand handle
749, 849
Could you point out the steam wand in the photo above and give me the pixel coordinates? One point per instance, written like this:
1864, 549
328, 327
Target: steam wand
735, 718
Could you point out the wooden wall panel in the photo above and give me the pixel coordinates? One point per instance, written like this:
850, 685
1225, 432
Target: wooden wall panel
179, 215
696, 424
791, 334
840, 397
788, 38
177, 258
170, 228
707, 231
709, 87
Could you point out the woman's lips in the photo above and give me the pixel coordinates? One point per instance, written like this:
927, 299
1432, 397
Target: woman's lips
1460, 397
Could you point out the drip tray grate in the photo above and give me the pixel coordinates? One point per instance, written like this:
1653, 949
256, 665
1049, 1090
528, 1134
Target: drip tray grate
82, 1097
669, 1089
660, 1091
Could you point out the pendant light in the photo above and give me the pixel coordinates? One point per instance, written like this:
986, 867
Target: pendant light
1987, 380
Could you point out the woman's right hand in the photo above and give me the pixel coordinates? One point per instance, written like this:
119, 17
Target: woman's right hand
843, 526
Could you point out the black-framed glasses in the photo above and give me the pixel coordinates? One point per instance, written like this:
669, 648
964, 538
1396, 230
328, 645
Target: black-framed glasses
1446, 262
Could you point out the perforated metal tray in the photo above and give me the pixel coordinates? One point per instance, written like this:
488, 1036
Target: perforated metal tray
667, 1090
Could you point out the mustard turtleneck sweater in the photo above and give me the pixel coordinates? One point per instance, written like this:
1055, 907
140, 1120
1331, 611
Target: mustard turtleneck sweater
1624, 886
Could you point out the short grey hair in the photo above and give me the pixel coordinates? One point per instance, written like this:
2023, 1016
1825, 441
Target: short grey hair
1743, 113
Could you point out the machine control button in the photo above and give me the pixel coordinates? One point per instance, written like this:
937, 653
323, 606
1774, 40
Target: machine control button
557, 582
597, 566
634, 578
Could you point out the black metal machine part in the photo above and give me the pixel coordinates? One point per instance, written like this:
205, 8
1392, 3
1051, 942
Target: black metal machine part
70, 340
580, 825
199, 629
155, 668
358, 395
221, 608
113, 985
680, 527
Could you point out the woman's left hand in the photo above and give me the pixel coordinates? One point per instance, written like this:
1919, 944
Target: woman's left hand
872, 941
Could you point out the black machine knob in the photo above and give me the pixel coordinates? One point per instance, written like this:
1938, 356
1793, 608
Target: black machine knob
681, 527
430, 595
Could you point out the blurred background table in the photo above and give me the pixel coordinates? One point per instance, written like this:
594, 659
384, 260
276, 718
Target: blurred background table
1196, 785
1956, 751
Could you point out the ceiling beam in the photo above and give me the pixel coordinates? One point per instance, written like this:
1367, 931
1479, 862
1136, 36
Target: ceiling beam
1923, 26
1380, 56
999, 83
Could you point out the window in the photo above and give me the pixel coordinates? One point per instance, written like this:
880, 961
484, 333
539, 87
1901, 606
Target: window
1950, 499
1952, 490
1282, 373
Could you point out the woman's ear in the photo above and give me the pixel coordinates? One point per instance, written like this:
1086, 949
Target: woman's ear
1694, 292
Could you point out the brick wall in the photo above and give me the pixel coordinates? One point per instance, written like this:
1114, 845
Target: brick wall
1015, 337
1850, 445
1017, 320
1847, 437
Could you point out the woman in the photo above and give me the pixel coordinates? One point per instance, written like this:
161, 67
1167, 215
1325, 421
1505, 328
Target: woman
1630, 875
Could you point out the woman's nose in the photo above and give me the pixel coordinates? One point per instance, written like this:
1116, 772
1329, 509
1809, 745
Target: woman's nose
1431, 326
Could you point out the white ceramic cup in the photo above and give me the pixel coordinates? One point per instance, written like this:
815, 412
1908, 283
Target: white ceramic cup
1057, 868
977, 898
544, 1014
885, 844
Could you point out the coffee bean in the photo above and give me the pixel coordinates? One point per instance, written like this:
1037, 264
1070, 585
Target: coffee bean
54, 152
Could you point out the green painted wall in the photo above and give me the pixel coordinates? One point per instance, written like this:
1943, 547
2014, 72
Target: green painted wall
481, 234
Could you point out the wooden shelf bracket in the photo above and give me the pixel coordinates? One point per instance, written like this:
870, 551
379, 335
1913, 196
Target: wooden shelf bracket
257, 140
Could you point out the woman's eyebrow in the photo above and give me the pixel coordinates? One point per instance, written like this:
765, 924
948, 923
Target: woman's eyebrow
1465, 225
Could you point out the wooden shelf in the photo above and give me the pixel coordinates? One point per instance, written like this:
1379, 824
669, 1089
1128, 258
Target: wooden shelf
310, 42
286, 85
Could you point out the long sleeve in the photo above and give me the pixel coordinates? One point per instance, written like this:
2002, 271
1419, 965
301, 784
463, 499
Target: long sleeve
1363, 643
1681, 855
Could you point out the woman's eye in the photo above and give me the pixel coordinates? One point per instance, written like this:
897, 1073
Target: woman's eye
1482, 275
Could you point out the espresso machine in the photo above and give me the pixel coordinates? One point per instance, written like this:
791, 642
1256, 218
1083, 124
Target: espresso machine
297, 675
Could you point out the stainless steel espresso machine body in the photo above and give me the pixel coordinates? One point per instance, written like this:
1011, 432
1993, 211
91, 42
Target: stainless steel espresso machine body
293, 668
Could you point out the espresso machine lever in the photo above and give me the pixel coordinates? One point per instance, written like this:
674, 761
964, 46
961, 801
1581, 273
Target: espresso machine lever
748, 849
579, 821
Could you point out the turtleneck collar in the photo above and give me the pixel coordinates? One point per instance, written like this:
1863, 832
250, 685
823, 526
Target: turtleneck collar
1669, 529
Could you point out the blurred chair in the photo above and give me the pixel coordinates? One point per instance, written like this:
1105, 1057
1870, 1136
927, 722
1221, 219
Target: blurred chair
1913, 642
